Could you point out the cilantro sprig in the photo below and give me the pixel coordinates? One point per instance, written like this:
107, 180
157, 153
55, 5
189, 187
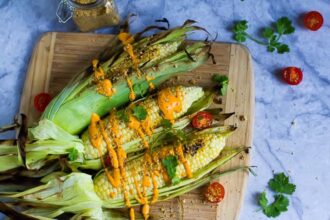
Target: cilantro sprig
139, 112
170, 163
280, 204
271, 34
280, 185
222, 81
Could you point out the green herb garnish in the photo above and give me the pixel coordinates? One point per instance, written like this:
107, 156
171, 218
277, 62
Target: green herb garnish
280, 204
280, 183
140, 113
170, 163
73, 154
272, 34
222, 81
123, 116
166, 124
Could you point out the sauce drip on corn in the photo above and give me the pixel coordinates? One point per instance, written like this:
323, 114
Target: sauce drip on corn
170, 103
182, 159
103, 86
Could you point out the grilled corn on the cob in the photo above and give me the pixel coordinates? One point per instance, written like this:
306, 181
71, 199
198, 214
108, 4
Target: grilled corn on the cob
187, 95
198, 152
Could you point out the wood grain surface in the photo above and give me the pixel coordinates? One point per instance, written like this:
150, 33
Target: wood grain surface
58, 56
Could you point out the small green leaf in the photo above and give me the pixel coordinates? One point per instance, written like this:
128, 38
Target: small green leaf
268, 32
166, 123
282, 48
222, 81
123, 116
170, 164
140, 113
284, 26
270, 48
280, 183
263, 201
240, 37
241, 26
73, 154
223, 90
281, 203
141, 88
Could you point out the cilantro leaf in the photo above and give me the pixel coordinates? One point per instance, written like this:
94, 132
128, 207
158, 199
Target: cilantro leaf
240, 37
223, 81
270, 48
282, 48
241, 26
280, 204
268, 32
280, 183
170, 163
123, 116
284, 26
73, 154
166, 123
140, 113
263, 201
141, 88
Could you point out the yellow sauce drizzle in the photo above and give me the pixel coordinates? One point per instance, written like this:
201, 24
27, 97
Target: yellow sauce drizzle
182, 159
131, 214
151, 85
132, 95
104, 87
127, 40
136, 125
155, 187
169, 103
97, 134
112, 195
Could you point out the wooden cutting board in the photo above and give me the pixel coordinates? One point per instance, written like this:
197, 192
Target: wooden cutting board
58, 56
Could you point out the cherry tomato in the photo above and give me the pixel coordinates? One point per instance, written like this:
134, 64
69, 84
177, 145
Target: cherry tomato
202, 120
292, 75
215, 192
41, 101
313, 20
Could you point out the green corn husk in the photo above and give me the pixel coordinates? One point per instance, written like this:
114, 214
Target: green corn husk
72, 108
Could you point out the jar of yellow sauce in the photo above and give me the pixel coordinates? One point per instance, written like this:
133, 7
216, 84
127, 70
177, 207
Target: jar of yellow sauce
89, 15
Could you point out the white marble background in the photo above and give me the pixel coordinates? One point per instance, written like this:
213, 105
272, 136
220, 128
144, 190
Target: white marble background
300, 149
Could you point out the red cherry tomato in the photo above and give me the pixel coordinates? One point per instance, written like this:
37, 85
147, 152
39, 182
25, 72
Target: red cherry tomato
41, 101
292, 75
202, 120
313, 20
215, 192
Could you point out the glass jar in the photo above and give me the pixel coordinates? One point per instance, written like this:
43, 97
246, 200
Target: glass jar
89, 15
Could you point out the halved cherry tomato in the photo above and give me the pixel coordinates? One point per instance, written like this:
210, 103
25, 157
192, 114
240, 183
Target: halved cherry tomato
202, 120
215, 192
41, 101
313, 20
292, 75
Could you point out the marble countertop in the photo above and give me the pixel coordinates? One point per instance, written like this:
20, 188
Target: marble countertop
292, 124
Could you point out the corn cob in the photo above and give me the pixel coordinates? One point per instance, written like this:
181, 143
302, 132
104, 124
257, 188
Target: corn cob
188, 95
199, 152
161, 56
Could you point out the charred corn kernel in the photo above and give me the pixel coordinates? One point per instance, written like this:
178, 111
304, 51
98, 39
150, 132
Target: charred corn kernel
198, 152
188, 95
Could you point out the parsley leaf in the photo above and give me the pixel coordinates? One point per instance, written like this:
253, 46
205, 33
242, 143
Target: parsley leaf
73, 154
268, 32
123, 116
223, 81
280, 204
239, 31
141, 88
166, 124
140, 112
280, 183
284, 26
170, 163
